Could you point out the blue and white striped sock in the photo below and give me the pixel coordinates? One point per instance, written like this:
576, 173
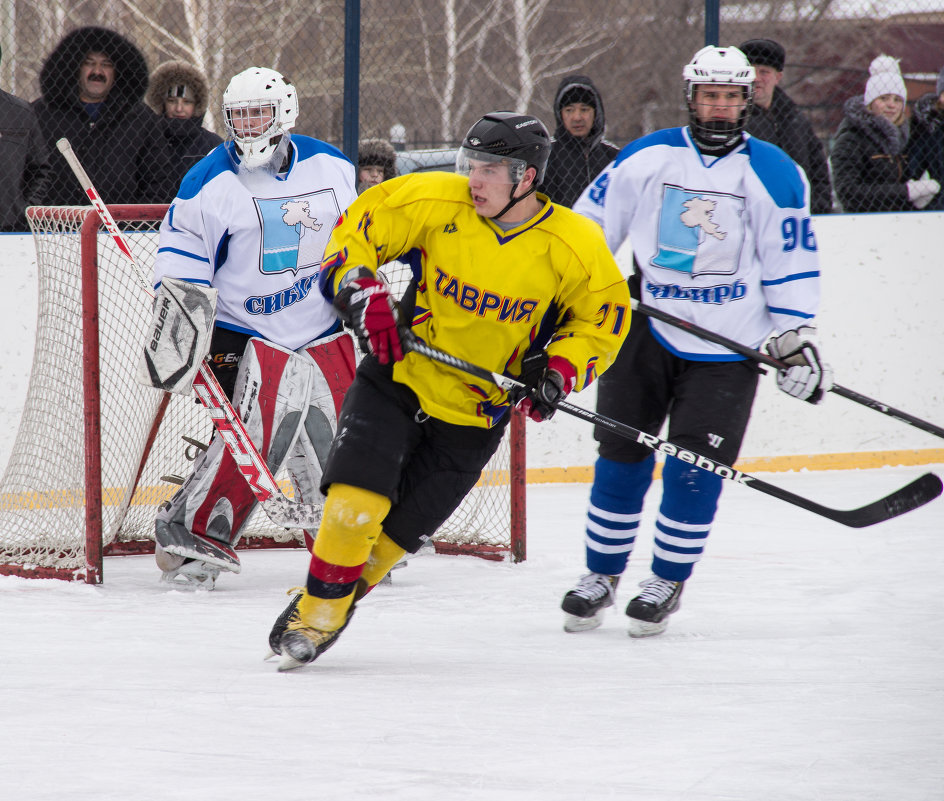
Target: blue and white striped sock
689, 501
615, 508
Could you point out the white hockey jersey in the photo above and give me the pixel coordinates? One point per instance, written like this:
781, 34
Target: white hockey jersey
259, 239
724, 243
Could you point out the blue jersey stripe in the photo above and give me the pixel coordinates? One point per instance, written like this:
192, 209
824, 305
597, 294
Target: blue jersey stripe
671, 137
777, 172
695, 357
794, 277
184, 253
790, 312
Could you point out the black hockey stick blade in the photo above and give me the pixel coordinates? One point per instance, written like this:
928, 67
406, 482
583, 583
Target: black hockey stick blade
770, 361
919, 492
922, 490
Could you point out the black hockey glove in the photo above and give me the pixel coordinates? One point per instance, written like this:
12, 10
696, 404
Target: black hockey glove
365, 305
547, 381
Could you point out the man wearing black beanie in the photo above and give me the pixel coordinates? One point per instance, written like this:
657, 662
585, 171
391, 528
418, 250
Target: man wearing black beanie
777, 119
578, 152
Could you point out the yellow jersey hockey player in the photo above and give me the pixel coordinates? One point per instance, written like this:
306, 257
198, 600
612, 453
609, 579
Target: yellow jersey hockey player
501, 277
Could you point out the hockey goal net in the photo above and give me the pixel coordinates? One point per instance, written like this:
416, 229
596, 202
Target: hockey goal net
96, 452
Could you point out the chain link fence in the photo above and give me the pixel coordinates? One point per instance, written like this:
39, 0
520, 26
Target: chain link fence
429, 68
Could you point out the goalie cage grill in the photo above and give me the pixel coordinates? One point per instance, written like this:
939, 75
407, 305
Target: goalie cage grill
85, 476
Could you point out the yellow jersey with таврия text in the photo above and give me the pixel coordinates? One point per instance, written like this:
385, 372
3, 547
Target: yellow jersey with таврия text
483, 293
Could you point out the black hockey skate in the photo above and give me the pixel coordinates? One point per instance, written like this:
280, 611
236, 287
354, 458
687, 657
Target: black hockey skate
584, 604
299, 644
649, 611
281, 622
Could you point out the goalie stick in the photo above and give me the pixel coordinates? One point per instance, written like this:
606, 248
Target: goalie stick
770, 361
919, 492
280, 509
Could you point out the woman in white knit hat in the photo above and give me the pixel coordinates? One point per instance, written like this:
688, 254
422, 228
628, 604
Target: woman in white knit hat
870, 171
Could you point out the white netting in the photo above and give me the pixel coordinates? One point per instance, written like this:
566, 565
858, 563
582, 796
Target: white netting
42, 493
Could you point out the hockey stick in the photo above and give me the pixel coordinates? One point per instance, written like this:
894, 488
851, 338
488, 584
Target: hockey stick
280, 510
919, 492
770, 361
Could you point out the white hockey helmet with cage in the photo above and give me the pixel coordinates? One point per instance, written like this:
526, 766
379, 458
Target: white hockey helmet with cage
259, 106
718, 65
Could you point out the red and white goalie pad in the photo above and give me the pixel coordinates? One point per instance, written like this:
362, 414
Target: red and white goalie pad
333, 363
289, 403
271, 397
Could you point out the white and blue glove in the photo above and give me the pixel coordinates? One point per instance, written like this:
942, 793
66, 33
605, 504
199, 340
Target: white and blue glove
807, 377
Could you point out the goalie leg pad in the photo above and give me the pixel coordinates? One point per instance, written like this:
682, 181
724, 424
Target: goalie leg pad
179, 335
203, 520
333, 363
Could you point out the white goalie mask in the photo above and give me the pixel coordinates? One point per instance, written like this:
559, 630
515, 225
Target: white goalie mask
725, 66
259, 106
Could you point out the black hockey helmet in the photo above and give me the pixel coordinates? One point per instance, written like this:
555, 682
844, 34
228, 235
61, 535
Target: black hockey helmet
509, 135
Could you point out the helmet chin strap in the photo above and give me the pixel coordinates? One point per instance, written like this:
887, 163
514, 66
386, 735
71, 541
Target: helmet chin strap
514, 200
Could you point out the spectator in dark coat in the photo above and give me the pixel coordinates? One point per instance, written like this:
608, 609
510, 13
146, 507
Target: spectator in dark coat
578, 151
925, 148
179, 94
24, 162
776, 118
870, 170
91, 86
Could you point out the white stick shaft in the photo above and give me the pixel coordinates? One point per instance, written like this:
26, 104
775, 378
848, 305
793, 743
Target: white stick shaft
69, 155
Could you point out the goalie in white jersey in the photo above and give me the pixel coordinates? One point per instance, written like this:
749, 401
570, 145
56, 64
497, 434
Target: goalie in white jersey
719, 225
247, 231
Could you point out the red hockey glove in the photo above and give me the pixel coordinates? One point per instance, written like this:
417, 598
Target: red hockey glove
547, 383
366, 307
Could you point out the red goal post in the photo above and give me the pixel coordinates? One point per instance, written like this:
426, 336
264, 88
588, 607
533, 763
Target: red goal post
89, 468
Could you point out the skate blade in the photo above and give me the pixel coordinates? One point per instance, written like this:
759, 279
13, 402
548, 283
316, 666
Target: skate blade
195, 580
643, 628
288, 662
572, 623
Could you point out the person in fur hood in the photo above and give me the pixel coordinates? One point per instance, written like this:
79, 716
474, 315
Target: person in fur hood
870, 170
179, 93
376, 162
926, 143
91, 90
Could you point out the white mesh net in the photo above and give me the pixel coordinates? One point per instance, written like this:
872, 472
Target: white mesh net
43, 518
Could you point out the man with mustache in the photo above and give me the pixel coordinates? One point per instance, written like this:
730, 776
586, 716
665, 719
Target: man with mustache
92, 86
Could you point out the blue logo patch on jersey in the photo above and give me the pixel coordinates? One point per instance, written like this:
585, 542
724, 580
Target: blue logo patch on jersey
700, 233
295, 230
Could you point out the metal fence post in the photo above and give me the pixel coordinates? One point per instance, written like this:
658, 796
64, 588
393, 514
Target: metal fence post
352, 70
712, 22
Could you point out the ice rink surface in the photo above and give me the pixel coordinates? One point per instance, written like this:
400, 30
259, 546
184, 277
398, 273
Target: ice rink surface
806, 664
